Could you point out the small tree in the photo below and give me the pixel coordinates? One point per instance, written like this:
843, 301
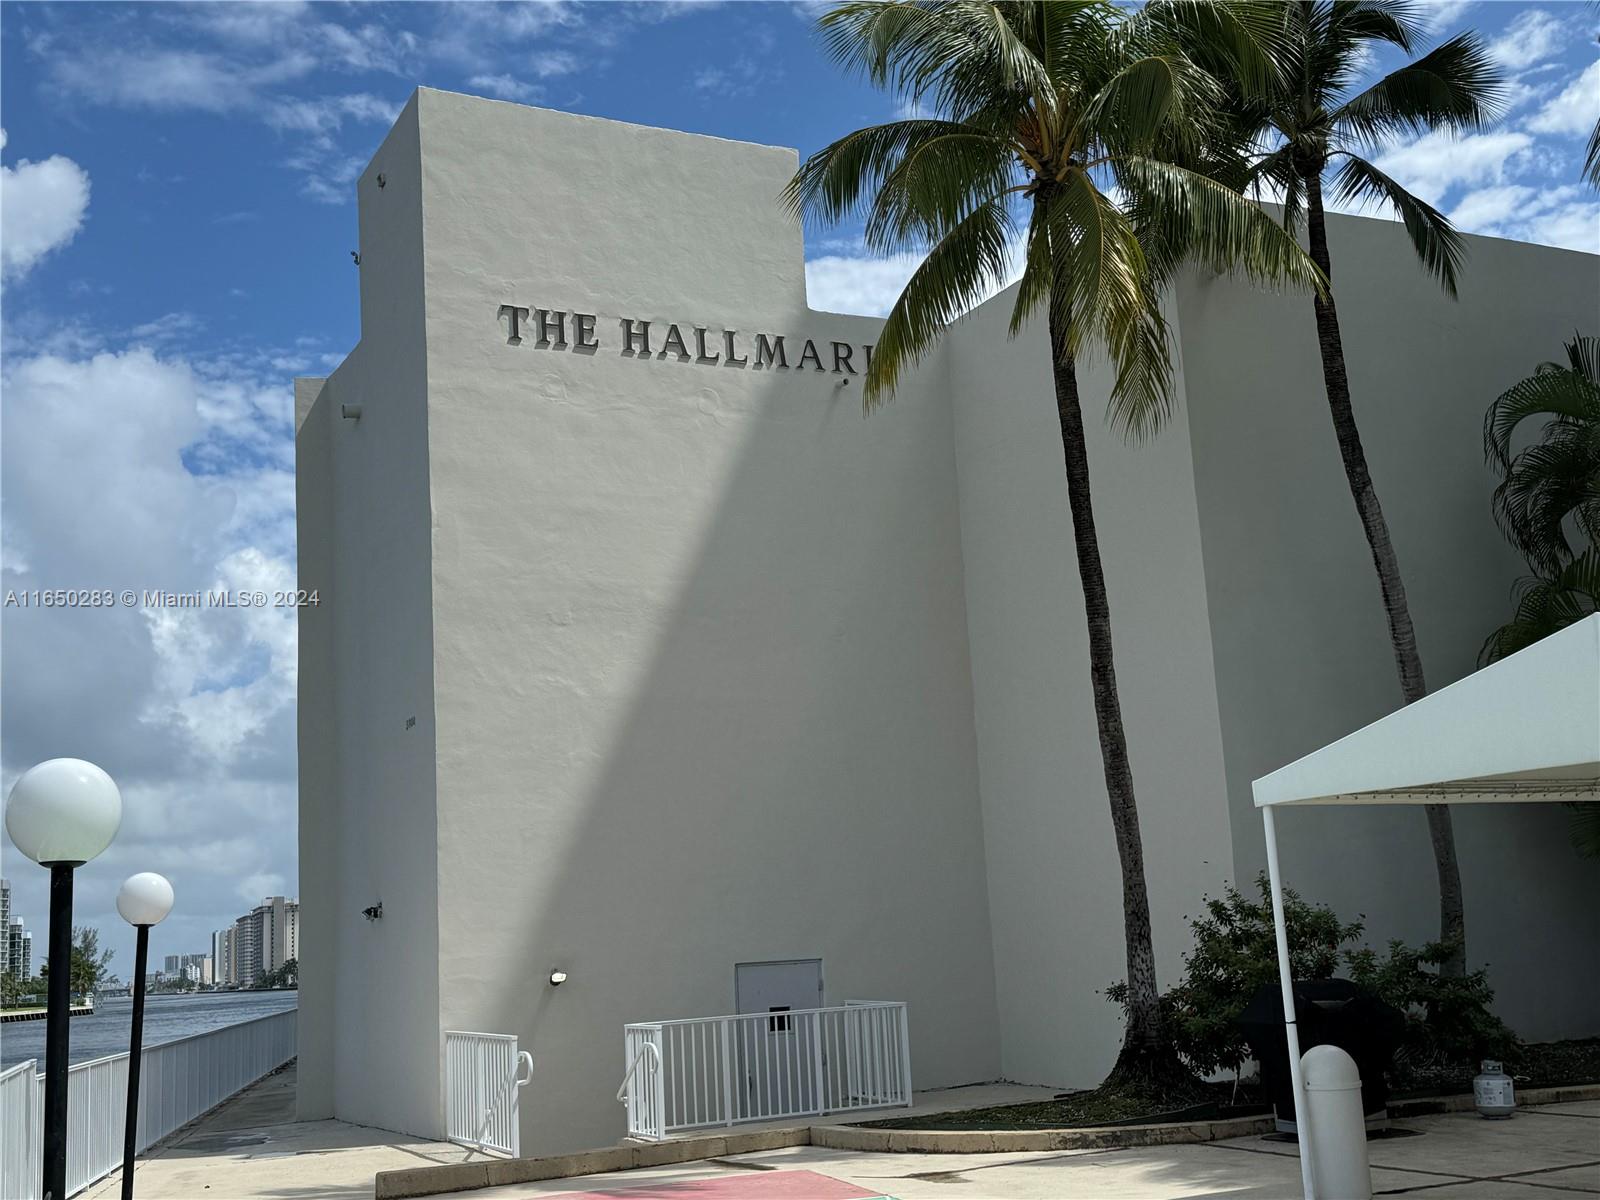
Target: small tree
90, 965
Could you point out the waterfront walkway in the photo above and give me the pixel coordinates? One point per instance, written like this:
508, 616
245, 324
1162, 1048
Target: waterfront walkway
251, 1148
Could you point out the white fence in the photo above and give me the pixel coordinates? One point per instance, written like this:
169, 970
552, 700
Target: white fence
178, 1081
484, 1075
707, 1071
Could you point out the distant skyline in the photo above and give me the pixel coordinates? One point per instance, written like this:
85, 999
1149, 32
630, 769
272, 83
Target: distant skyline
178, 218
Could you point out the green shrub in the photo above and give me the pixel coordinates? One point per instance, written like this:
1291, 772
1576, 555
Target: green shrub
1235, 953
1448, 1021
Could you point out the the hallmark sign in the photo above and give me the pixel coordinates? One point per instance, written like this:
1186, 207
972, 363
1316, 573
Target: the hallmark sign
578, 332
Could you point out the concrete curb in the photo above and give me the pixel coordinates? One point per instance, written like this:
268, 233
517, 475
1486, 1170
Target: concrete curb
989, 1141
494, 1172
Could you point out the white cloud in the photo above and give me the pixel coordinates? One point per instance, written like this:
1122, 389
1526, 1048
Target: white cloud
856, 283
553, 62
42, 206
868, 286
167, 79
1566, 216
1436, 162
1531, 38
1438, 15
327, 114
191, 710
1576, 109
505, 87
1485, 210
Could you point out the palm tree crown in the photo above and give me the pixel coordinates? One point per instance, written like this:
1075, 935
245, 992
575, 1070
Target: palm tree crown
1551, 487
1048, 115
1309, 125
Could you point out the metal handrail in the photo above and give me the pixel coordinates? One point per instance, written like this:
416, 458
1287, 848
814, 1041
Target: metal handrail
517, 1081
622, 1091
832, 1008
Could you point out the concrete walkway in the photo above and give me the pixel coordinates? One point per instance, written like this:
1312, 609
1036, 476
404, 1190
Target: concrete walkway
1541, 1154
251, 1147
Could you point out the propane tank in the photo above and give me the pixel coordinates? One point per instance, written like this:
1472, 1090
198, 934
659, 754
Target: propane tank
1493, 1094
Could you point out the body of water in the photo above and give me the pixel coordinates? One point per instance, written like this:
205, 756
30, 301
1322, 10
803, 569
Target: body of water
166, 1019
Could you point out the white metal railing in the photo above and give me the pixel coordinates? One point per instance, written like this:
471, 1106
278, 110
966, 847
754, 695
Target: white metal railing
643, 1081
178, 1081
704, 1071
484, 1075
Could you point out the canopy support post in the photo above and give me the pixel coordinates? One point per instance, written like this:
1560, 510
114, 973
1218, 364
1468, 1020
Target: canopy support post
1290, 1027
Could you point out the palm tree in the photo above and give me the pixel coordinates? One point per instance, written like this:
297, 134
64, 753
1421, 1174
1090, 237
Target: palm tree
1548, 506
1308, 126
1042, 109
1548, 500
1551, 487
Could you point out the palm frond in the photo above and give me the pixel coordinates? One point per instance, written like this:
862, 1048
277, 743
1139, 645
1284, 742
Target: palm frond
843, 179
1217, 226
1442, 250
1564, 393
1101, 279
1547, 605
961, 269
1456, 85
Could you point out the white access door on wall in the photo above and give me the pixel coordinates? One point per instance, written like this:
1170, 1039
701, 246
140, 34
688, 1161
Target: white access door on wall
779, 1056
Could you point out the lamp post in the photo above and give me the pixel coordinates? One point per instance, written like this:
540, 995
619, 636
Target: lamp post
61, 814
144, 900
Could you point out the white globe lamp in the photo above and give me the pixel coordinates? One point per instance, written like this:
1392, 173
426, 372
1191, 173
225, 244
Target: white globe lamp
145, 899
61, 813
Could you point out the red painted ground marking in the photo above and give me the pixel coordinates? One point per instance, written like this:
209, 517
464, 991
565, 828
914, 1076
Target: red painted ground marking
747, 1185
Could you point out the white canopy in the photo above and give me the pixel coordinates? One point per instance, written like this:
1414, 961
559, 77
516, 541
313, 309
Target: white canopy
1524, 728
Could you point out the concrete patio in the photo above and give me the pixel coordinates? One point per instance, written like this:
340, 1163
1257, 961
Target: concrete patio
252, 1147
1541, 1154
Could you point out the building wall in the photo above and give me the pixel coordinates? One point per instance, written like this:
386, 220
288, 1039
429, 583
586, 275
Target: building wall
1302, 648
700, 649
372, 792
1055, 890
317, 746
641, 668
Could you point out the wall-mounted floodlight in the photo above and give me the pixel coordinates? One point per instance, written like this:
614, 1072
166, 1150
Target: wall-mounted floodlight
557, 978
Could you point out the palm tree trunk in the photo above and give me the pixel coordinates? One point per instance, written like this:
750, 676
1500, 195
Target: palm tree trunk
1145, 1052
1452, 919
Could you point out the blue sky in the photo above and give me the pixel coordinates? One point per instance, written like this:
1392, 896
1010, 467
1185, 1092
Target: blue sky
178, 213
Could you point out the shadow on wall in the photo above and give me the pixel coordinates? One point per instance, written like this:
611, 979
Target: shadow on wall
710, 637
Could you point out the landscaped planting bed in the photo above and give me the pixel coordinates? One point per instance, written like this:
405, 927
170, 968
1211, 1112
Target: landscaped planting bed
1539, 1065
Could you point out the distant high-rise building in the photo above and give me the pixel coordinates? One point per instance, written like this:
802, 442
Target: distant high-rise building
222, 964
247, 949
170, 967
16, 944
257, 944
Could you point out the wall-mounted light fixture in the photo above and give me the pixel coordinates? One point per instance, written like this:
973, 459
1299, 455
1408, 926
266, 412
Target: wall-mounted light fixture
557, 978
373, 913
350, 412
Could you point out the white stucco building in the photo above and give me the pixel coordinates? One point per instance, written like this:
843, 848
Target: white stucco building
644, 665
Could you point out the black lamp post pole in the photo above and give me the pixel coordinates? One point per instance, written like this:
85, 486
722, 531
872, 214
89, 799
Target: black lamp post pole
135, 1054
57, 1016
